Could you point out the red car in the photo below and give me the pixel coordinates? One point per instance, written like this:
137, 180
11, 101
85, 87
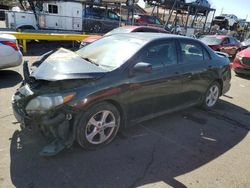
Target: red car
125, 29
222, 43
241, 63
148, 20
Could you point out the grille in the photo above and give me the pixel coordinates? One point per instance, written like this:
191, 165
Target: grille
246, 61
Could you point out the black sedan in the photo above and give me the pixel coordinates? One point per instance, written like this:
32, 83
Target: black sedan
117, 81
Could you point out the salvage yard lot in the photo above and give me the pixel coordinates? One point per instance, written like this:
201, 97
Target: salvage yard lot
190, 148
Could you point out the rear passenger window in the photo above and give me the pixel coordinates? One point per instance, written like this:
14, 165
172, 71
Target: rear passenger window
160, 55
191, 52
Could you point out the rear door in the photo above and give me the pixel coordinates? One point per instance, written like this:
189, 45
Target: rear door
196, 69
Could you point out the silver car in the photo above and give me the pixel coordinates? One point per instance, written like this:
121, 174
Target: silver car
10, 54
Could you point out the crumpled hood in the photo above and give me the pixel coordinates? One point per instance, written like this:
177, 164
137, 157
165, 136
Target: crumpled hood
64, 65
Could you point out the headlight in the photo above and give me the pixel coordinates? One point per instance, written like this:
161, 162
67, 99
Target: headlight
42, 103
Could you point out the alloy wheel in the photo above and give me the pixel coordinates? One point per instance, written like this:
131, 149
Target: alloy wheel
100, 127
212, 95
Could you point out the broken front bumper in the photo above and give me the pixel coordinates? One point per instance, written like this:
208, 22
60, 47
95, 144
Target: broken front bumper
56, 124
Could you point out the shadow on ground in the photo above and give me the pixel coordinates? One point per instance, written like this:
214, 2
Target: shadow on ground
156, 150
243, 76
9, 78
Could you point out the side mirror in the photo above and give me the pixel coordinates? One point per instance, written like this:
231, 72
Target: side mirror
142, 67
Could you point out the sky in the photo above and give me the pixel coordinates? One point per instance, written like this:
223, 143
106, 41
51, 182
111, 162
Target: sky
240, 8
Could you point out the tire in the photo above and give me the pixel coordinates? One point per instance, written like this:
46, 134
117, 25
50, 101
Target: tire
211, 96
98, 126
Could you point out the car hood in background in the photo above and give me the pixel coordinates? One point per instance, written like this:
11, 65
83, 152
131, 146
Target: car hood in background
64, 65
245, 53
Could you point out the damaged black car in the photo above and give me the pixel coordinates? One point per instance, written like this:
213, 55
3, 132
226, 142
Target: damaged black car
120, 80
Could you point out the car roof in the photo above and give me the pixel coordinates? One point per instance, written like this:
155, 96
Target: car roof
132, 27
147, 36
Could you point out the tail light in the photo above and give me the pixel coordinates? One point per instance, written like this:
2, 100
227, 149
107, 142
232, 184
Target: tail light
11, 44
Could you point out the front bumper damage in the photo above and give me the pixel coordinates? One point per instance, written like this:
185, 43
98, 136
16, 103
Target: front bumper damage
56, 125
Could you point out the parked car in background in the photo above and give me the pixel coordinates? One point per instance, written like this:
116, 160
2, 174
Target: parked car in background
148, 20
125, 29
10, 55
241, 63
245, 44
202, 3
73, 95
100, 20
226, 21
222, 43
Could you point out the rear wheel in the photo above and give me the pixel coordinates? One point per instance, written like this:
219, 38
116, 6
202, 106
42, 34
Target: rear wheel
211, 96
98, 126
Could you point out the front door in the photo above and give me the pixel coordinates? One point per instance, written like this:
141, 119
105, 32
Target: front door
159, 90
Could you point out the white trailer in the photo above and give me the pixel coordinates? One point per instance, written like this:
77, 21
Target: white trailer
56, 15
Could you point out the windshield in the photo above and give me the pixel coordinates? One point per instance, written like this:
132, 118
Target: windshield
112, 51
211, 40
118, 30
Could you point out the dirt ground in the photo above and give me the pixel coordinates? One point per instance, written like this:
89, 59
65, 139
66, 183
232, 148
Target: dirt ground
190, 148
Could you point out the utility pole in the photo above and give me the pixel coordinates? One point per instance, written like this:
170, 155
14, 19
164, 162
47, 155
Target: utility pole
222, 11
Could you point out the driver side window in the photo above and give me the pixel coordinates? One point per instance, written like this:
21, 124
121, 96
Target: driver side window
160, 55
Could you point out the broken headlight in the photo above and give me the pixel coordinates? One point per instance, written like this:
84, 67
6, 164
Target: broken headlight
42, 103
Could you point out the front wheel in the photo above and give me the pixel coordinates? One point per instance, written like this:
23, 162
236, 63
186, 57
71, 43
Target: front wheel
98, 126
211, 96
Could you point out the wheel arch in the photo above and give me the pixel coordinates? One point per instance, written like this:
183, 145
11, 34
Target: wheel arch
221, 85
114, 102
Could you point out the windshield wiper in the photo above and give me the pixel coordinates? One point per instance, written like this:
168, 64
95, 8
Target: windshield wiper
91, 61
